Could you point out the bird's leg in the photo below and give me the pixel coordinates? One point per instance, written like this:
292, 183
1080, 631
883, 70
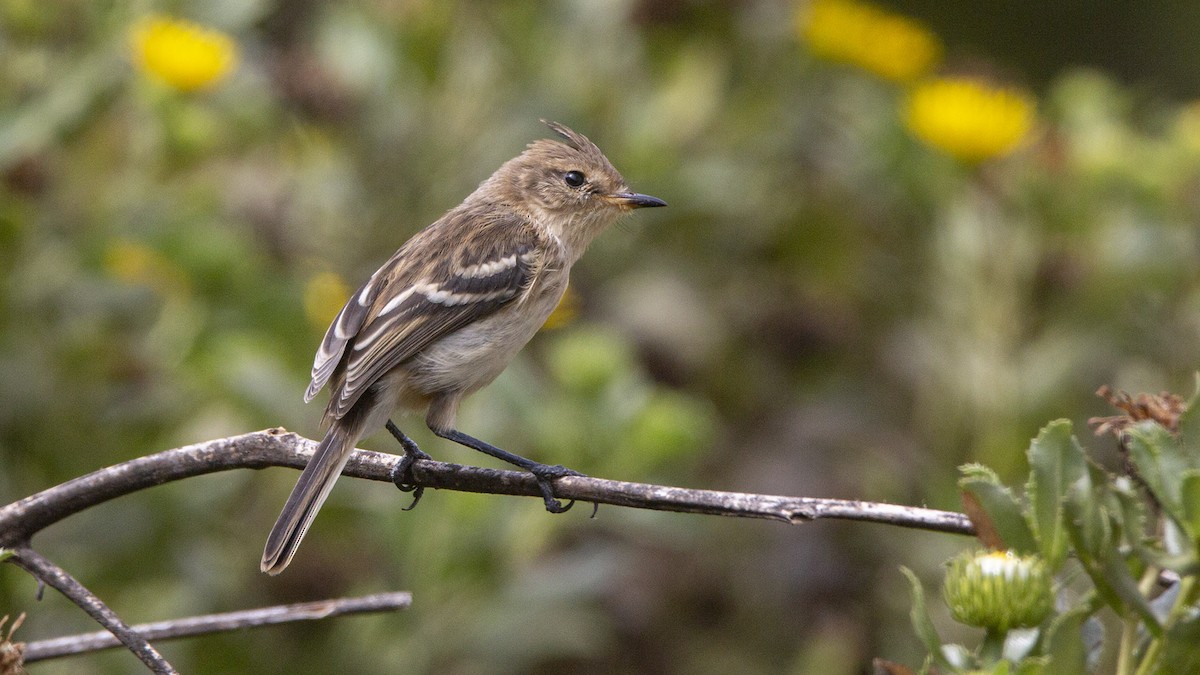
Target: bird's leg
545, 473
403, 470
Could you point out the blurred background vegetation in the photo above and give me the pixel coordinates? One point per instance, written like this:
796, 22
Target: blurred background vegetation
899, 239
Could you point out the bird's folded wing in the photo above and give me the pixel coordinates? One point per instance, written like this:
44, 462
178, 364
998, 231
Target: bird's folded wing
455, 272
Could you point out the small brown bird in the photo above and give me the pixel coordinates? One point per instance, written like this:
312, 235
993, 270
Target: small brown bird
444, 316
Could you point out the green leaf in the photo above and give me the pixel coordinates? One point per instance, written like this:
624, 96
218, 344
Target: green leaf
1116, 572
1056, 462
1087, 522
1189, 427
1160, 462
1180, 651
1169, 550
1033, 666
922, 624
1064, 643
1001, 667
1128, 500
1189, 505
996, 512
980, 471
1092, 536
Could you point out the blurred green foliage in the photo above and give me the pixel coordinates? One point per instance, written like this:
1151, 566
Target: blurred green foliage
828, 308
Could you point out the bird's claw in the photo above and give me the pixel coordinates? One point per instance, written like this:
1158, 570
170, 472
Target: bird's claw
545, 474
402, 475
418, 491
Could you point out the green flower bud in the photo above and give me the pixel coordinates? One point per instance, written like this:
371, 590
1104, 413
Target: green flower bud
999, 590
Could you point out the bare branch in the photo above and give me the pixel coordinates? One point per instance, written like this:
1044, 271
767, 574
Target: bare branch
277, 447
216, 623
42, 568
274, 447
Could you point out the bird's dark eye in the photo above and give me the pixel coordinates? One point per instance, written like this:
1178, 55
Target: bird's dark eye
574, 178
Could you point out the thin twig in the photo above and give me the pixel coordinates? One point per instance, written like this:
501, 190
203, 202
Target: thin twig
70, 645
277, 447
45, 570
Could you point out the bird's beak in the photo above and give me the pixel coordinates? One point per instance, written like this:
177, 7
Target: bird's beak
633, 200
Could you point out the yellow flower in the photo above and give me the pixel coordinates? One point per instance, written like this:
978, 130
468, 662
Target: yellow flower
566, 311
324, 295
185, 55
892, 46
969, 119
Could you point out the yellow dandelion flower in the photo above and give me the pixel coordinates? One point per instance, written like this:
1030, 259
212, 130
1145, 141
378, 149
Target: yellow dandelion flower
324, 295
892, 46
565, 313
136, 264
185, 55
969, 119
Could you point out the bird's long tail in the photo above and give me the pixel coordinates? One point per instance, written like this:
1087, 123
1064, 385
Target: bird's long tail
307, 497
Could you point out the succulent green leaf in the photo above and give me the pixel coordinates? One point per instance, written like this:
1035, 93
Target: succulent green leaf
980, 471
1036, 665
999, 513
1000, 668
1056, 462
1180, 651
1160, 461
1170, 550
1064, 643
922, 624
1128, 500
1116, 574
1189, 506
1091, 535
1189, 427
1087, 522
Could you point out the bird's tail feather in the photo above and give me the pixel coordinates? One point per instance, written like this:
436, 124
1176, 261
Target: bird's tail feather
306, 499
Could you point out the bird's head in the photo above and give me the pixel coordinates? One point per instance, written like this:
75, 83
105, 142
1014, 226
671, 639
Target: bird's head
569, 186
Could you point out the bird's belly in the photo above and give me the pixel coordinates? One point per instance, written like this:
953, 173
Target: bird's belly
473, 356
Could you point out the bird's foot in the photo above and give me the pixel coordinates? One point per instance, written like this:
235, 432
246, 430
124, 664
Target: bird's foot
402, 475
545, 475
